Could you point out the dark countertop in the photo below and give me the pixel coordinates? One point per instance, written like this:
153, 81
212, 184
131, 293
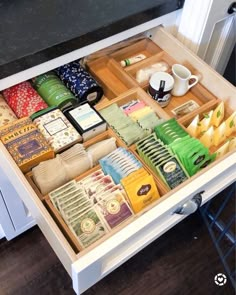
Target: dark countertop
35, 31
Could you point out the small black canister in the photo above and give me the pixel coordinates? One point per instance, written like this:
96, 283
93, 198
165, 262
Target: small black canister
160, 86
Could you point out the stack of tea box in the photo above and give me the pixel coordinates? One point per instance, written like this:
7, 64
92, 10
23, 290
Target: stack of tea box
132, 121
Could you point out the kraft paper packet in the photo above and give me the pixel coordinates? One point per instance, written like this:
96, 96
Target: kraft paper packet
88, 228
142, 192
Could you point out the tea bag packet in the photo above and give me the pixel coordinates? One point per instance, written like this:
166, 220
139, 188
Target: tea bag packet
136, 115
222, 150
93, 177
6, 113
172, 172
56, 128
101, 149
114, 209
92, 188
185, 108
128, 121
205, 123
192, 154
134, 105
69, 187
88, 228
230, 124
141, 192
218, 115
119, 164
232, 144
219, 134
49, 175
148, 122
170, 131
193, 128
208, 137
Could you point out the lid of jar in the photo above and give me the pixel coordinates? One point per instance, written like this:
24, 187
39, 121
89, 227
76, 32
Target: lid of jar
156, 79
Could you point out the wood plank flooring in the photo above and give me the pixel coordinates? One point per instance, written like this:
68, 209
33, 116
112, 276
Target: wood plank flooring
182, 262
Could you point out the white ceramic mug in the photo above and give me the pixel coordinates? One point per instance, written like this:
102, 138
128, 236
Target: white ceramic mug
181, 76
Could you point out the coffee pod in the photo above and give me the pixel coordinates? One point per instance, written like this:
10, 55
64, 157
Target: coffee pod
160, 86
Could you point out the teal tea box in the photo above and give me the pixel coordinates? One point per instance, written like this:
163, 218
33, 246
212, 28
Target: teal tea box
56, 128
86, 120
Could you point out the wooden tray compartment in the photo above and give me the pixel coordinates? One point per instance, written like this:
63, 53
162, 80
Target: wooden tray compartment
111, 76
145, 46
161, 56
136, 93
60, 221
198, 93
227, 112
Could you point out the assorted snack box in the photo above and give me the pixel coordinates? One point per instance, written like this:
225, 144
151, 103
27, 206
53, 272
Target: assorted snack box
96, 161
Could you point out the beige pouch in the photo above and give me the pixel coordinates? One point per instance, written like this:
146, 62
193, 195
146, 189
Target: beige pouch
49, 175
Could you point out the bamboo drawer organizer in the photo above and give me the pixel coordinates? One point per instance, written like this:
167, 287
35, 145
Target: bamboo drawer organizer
120, 86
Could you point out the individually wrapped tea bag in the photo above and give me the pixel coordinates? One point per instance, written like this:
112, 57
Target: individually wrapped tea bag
218, 115
219, 134
208, 137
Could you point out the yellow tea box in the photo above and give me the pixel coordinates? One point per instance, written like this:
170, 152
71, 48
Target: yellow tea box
141, 192
25, 143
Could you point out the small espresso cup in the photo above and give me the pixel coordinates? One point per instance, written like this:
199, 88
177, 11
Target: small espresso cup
182, 76
160, 86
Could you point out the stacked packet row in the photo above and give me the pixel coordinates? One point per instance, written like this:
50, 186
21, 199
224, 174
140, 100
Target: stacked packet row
138, 184
91, 207
119, 164
162, 161
191, 152
213, 129
132, 121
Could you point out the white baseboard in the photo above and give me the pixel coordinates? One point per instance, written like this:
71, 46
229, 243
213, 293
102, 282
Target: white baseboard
2, 235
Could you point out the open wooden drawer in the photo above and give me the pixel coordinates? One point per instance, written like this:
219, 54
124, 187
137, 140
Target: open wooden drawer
92, 264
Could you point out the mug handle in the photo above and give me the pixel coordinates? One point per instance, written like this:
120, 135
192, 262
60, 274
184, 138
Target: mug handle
195, 82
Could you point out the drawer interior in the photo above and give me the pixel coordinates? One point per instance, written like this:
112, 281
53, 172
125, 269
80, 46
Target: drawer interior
120, 86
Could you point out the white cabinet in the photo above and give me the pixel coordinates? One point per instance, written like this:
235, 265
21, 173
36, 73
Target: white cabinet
15, 218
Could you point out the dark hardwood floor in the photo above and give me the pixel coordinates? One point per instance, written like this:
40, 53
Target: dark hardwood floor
183, 261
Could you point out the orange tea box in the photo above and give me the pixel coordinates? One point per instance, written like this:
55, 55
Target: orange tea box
25, 143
